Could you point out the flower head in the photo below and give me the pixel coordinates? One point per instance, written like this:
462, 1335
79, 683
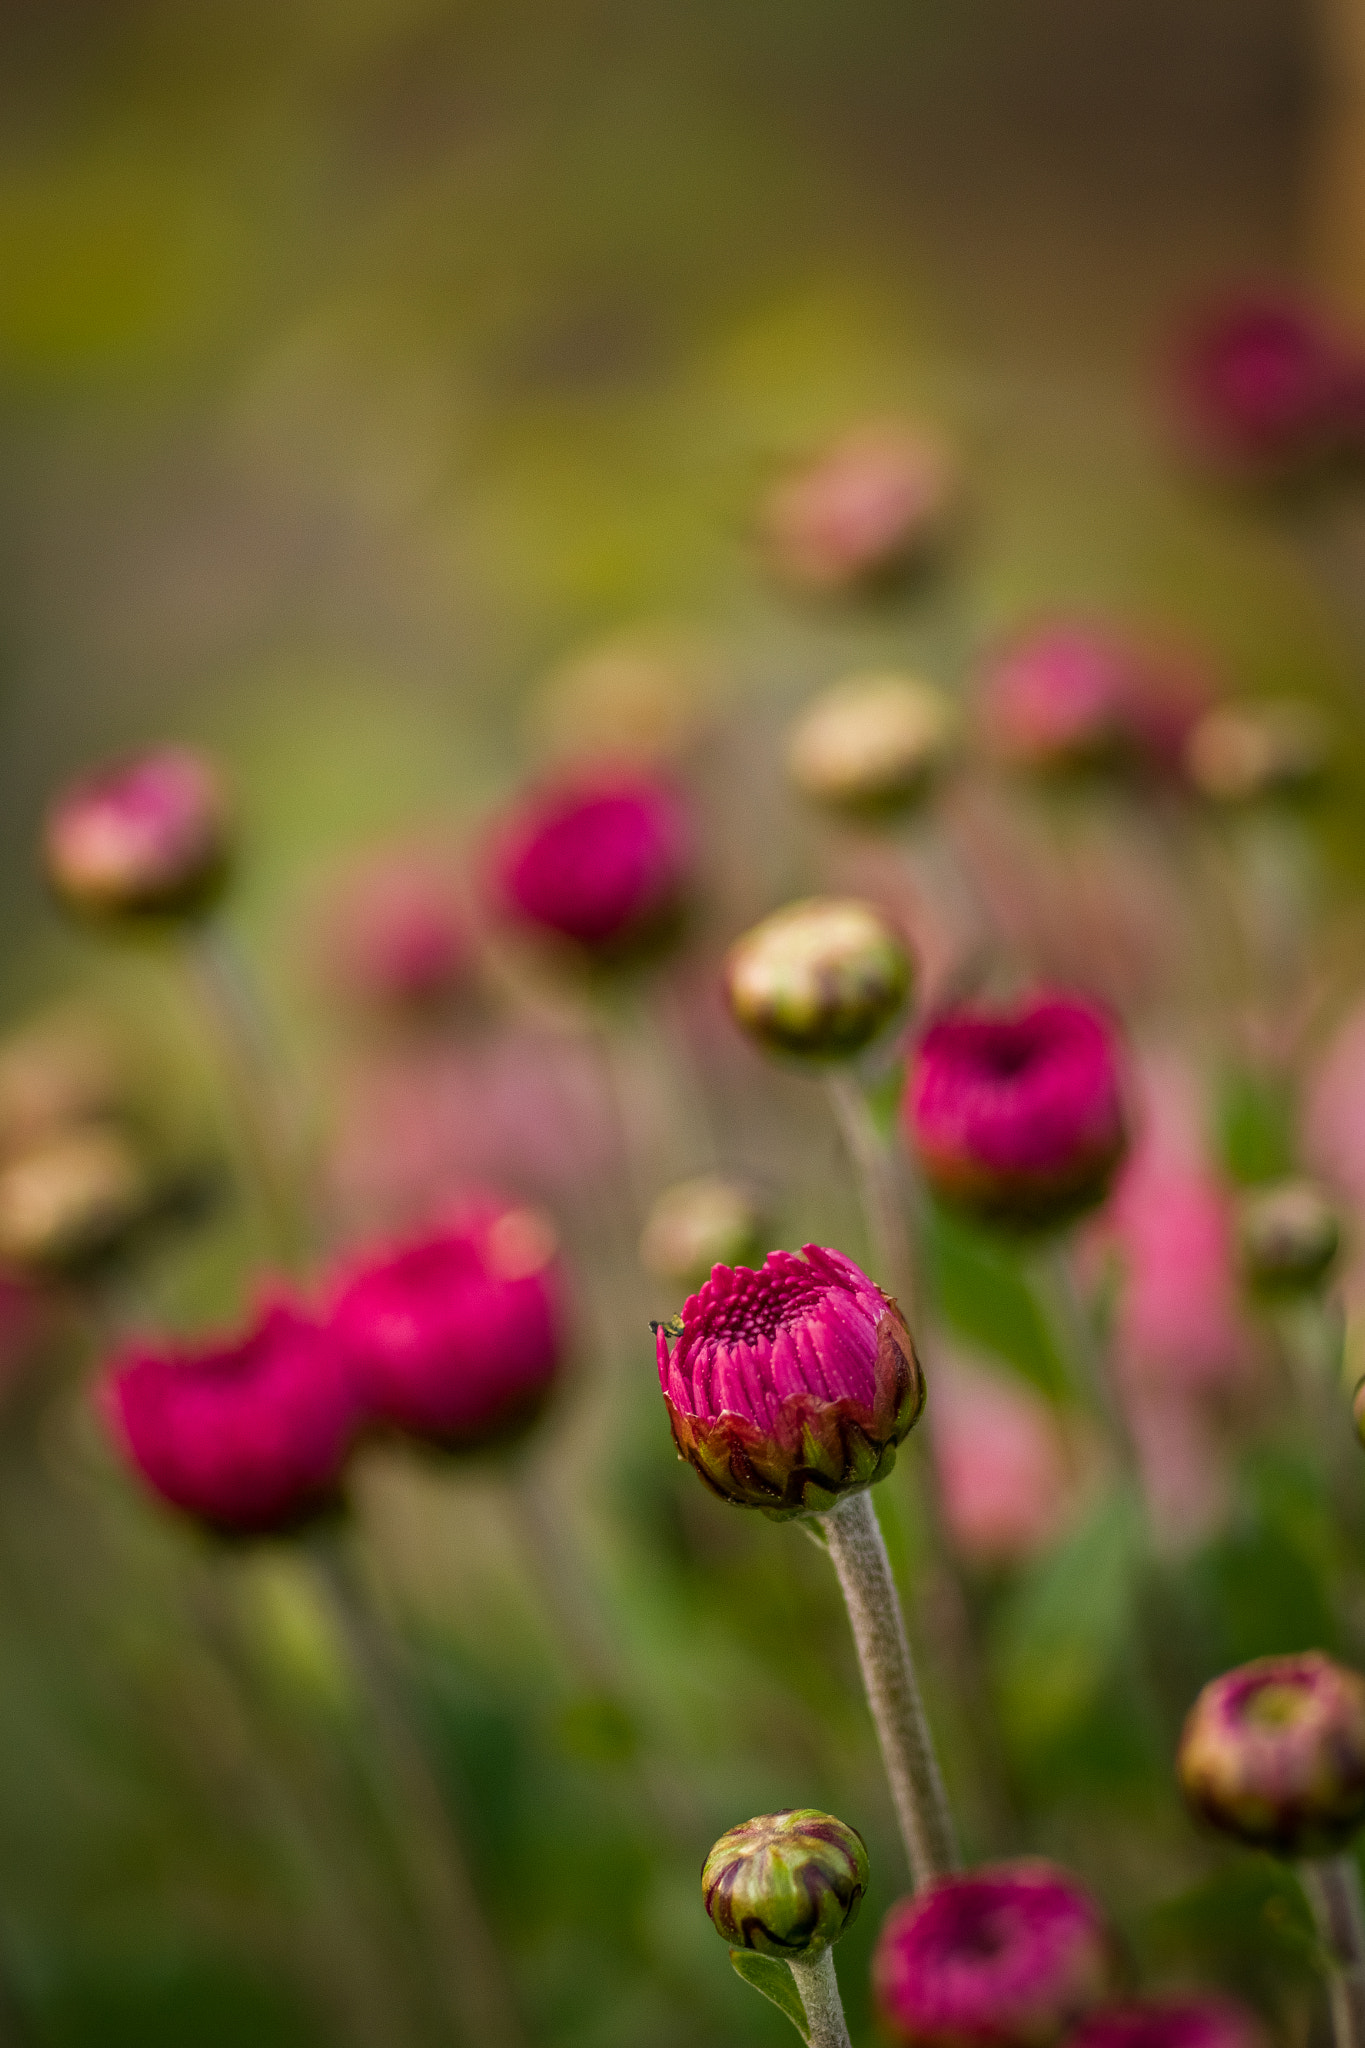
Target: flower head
1266, 389
247, 1435
600, 863
872, 742
146, 837
1274, 1753
457, 1337
1205, 2021
1008, 1956
1289, 1234
786, 1883
867, 508
792, 1385
1018, 1115
821, 978
1072, 694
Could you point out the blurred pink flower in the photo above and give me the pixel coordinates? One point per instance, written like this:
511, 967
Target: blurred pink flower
1266, 387
1334, 1111
1070, 692
1004, 1478
597, 862
395, 932
1206, 2020
146, 836
863, 509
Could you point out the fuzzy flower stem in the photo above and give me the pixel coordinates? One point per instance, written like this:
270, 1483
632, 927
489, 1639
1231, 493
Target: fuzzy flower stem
468, 1970
819, 1989
877, 1191
1332, 1884
854, 1537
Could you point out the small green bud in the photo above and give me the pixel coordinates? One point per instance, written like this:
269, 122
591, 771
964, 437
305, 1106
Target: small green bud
821, 978
1289, 1235
785, 1883
872, 742
698, 1224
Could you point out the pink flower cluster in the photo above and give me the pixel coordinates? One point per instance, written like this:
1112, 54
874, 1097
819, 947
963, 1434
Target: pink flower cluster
454, 1339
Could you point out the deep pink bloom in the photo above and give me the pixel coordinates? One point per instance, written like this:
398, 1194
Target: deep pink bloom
248, 1434
458, 1336
1072, 693
1274, 1753
1008, 1956
1002, 1466
397, 934
597, 862
789, 1386
145, 836
863, 509
1266, 387
1205, 2021
1018, 1115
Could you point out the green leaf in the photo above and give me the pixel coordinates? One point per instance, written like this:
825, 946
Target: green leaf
772, 1977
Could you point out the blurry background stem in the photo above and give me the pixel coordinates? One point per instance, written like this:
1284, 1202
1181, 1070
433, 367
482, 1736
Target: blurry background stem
875, 1170
853, 1534
233, 1015
1072, 1329
819, 1989
1333, 1887
468, 1969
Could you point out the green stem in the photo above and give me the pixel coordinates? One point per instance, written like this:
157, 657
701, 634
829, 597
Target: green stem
854, 1537
819, 1989
1332, 1884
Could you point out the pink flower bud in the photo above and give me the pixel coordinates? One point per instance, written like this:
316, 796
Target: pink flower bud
146, 837
1008, 1956
1266, 389
247, 1435
599, 863
457, 1337
1205, 2021
1274, 1753
868, 507
1002, 1466
395, 935
1074, 694
792, 1385
1018, 1116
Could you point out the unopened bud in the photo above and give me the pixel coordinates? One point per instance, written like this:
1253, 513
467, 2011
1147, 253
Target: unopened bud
698, 1224
69, 1201
822, 978
872, 742
1289, 1235
145, 838
1238, 752
785, 1883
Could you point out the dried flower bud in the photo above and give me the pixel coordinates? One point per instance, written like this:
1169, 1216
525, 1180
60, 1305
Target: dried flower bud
1205, 2021
147, 837
872, 742
865, 510
698, 1224
792, 1385
69, 1200
1274, 1753
1008, 1956
1289, 1234
1238, 752
785, 1883
822, 978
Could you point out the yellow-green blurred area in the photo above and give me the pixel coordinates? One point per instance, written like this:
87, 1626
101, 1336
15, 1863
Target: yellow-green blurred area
359, 363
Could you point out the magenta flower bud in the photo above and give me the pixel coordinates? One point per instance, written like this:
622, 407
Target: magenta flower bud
600, 863
1266, 390
1008, 1956
820, 979
1274, 1753
147, 837
786, 1883
1205, 2021
1018, 1116
457, 1338
790, 1386
1071, 694
248, 1435
869, 507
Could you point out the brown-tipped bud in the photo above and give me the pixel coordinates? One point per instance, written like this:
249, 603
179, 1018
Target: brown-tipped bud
1238, 752
698, 1224
145, 838
821, 978
872, 743
1289, 1234
1274, 1753
785, 1883
69, 1200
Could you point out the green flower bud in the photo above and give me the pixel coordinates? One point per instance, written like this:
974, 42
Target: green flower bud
1289, 1235
785, 1883
698, 1224
70, 1200
821, 978
872, 742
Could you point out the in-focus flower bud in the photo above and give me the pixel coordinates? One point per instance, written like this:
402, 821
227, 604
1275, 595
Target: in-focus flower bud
698, 1224
790, 1386
872, 742
396, 936
1071, 694
1274, 1753
785, 1883
1205, 2021
1018, 1116
1008, 1956
248, 1435
822, 978
1239, 752
145, 838
70, 1199
1289, 1234
457, 1338
866, 510
602, 864
1266, 390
